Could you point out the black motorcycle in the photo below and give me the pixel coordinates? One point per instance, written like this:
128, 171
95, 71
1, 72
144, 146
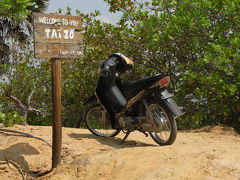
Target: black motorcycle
149, 101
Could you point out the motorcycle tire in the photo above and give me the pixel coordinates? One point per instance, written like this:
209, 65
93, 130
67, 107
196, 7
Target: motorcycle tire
164, 116
97, 124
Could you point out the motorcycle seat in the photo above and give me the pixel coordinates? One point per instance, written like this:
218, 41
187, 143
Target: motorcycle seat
132, 87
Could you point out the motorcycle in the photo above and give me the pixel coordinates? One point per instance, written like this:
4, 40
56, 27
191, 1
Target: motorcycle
149, 101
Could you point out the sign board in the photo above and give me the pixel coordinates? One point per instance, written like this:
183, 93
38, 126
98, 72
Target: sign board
57, 36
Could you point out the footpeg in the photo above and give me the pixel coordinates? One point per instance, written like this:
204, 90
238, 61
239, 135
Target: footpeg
131, 122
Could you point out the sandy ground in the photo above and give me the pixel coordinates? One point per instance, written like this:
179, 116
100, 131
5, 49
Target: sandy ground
208, 153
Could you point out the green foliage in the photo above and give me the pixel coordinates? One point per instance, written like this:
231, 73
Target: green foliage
10, 118
24, 82
39, 6
210, 82
19, 9
13, 23
38, 119
195, 42
78, 82
25, 85
2, 117
15, 8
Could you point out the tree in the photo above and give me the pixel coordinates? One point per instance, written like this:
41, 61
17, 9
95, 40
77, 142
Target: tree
18, 9
22, 77
25, 86
13, 15
15, 9
195, 42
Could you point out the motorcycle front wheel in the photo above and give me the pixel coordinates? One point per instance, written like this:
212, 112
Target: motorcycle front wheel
164, 117
98, 122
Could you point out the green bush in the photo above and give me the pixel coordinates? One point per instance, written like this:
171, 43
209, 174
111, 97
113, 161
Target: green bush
10, 118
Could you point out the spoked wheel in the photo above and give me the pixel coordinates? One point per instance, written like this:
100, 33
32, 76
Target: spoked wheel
99, 123
165, 119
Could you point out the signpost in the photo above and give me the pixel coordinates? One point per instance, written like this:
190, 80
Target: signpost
57, 36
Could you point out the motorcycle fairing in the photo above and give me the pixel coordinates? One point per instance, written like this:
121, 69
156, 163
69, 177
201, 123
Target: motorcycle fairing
109, 95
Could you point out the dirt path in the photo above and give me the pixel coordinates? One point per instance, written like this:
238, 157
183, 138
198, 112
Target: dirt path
213, 153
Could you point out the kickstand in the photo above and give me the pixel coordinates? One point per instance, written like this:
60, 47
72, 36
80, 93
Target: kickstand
127, 133
146, 134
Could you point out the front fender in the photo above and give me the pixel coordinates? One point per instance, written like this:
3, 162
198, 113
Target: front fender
90, 100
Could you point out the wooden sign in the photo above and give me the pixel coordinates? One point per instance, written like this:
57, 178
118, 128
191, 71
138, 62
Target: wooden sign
57, 36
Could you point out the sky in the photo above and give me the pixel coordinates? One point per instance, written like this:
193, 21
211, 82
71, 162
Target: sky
85, 6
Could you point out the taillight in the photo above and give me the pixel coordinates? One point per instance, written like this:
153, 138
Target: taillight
164, 81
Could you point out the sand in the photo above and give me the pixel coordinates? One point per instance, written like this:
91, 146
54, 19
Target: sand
209, 153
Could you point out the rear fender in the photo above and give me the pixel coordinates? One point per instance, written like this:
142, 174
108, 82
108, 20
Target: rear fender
170, 103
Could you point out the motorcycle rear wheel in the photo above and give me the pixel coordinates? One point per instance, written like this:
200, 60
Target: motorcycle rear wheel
98, 122
164, 116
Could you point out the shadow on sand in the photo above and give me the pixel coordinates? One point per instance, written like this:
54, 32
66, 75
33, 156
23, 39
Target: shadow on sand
111, 141
16, 152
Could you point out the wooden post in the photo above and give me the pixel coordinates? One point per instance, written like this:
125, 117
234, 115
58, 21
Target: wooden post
57, 115
57, 36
